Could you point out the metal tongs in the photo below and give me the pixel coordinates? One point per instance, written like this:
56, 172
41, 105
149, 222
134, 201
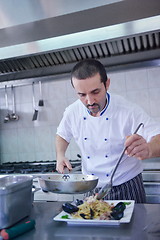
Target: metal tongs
105, 190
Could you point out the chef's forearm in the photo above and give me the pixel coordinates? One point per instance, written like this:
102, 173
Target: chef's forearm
61, 146
154, 146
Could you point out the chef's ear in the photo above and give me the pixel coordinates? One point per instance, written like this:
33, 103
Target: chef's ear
107, 83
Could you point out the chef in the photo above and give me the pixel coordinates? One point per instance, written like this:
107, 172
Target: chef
103, 124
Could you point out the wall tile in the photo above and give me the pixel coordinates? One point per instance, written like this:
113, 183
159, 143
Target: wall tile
139, 97
44, 156
136, 80
2, 98
70, 90
56, 109
9, 157
154, 98
43, 139
26, 156
53, 155
154, 77
23, 94
25, 112
9, 141
57, 90
71, 100
117, 82
28, 140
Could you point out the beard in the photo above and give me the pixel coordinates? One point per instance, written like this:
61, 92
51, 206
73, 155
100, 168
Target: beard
94, 108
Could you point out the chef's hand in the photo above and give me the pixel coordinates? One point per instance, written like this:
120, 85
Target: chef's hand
137, 147
62, 163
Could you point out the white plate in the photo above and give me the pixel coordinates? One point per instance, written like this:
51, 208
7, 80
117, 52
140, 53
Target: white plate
126, 218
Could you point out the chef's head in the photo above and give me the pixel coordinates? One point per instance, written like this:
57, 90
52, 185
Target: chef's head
90, 82
88, 68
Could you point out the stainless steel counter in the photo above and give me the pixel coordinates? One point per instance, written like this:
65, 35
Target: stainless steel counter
151, 180
144, 225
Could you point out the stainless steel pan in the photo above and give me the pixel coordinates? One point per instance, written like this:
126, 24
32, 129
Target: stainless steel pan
68, 183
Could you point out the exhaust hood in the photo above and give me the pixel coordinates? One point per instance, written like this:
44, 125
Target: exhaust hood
47, 37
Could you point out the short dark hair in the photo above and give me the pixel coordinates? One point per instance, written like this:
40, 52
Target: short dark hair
88, 68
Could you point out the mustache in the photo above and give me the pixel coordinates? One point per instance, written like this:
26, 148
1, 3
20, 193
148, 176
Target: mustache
92, 105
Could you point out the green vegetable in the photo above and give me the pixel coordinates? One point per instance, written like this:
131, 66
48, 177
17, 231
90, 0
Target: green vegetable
65, 216
127, 203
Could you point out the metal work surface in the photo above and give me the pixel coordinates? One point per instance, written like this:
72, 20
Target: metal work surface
145, 224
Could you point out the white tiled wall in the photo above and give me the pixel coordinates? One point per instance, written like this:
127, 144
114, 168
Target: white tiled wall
27, 140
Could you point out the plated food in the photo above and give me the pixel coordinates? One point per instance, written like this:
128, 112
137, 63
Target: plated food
92, 208
70, 213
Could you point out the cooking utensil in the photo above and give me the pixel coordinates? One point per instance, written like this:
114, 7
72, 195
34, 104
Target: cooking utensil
41, 102
7, 117
35, 114
68, 183
13, 116
105, 190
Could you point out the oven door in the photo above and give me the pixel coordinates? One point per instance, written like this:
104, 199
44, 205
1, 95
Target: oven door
151, 179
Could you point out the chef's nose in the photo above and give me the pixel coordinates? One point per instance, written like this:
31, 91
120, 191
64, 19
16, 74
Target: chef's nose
89, 99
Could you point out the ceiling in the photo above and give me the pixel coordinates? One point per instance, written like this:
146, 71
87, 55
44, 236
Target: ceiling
47, 37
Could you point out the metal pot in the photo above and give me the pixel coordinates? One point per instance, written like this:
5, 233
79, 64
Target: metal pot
15, 199
68, 183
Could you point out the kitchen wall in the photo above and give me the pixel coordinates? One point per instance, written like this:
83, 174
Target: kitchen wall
27, 140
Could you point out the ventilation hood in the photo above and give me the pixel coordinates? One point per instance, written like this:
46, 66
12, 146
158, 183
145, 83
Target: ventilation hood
47, 37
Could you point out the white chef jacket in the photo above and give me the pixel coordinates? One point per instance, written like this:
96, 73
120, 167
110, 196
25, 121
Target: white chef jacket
101, 139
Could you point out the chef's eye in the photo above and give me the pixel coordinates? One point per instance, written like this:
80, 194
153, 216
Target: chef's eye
81, 94
96, 92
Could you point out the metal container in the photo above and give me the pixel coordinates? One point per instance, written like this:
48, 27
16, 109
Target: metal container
15, 199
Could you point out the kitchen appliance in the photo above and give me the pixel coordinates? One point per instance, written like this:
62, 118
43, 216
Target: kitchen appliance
33, 167
125, 34
15, 199
36, 169
151, 179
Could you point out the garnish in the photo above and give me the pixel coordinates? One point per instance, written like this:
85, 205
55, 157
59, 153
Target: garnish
127, 203
65, 217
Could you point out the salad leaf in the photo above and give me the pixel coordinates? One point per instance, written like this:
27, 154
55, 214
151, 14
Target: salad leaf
65, 216
127, 203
